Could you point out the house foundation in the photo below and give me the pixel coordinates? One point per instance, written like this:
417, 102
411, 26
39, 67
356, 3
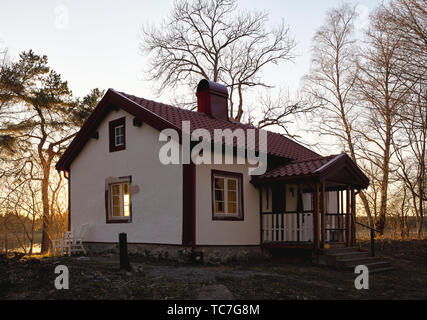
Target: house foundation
205, 254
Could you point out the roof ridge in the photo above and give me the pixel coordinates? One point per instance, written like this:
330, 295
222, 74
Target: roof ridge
314, 159
284, 146
162, 104
332, 160
247, 125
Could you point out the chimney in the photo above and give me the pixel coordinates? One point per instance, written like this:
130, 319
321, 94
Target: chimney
212, 99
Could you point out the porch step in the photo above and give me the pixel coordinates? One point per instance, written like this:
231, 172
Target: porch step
336, 250
390, 268
352, 262
350, 257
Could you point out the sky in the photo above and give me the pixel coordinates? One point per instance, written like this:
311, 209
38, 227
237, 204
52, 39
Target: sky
95, 44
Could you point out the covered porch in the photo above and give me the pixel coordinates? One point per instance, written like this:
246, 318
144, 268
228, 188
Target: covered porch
310, 203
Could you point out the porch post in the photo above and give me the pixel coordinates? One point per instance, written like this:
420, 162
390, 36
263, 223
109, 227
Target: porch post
316, 219
322, 216
347, 217
260, 216
339, 217
353, 217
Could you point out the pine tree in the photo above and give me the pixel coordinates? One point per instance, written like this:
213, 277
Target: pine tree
38, 119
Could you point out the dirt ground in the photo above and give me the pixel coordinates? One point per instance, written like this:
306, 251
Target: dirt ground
288, 277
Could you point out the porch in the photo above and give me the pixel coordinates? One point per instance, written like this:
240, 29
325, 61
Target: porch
310, 204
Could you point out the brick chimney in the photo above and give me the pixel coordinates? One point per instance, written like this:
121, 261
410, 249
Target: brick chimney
212, 99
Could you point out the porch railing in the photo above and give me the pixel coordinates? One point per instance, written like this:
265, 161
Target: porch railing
288, 226
336, 227
294, 226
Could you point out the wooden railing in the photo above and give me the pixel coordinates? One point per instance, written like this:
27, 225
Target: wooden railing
336, 227
372, 236
288, 226
294, 226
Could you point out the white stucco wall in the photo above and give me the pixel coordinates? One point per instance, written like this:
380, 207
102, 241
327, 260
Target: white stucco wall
156, 189
214, 232
332, 198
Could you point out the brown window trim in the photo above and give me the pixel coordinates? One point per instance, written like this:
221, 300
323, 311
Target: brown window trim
237, 175
111, 125
108, 184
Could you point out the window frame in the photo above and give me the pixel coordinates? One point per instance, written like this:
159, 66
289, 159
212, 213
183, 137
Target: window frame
239, 216
121, 122
110, 218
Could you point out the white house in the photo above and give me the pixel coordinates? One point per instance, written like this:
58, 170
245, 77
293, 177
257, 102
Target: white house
117, 183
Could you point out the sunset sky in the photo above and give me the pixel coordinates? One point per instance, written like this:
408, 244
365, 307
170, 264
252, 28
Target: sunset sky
98, 45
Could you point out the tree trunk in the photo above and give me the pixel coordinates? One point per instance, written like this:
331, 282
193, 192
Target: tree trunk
420, 210
380, 224
45, 245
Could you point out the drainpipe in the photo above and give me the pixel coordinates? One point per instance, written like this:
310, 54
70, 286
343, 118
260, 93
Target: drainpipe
67, 176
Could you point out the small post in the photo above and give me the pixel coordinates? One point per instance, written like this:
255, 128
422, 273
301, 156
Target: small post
5, 243
372, 243
123, 247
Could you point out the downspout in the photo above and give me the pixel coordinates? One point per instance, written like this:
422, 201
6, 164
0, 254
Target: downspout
68, 177
193, 206
261, 240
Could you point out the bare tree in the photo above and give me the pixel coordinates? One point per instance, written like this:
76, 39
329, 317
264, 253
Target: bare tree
331, 82
407, 19
383, 95
279, 110
210, 39
20, 208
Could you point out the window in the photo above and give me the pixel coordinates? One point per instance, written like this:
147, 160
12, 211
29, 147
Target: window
118, 201
227, 196
117, 134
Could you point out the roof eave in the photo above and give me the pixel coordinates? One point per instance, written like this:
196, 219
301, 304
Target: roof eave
110, 99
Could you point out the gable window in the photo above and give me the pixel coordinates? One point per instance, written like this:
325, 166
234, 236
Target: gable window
118, 200
227, 195
117, 134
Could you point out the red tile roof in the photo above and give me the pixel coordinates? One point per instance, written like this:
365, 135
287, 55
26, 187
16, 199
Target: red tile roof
322, 168
302, 161
299, 168
162, 116
277, 144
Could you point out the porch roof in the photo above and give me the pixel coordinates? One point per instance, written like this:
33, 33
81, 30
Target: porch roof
335, 169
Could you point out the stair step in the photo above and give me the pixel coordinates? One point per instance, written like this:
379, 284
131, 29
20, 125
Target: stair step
357, 261
372, 266
381, 269
349, 255
332, 251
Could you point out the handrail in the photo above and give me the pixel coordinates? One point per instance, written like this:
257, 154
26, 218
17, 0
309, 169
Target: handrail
366, 226
372, 236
